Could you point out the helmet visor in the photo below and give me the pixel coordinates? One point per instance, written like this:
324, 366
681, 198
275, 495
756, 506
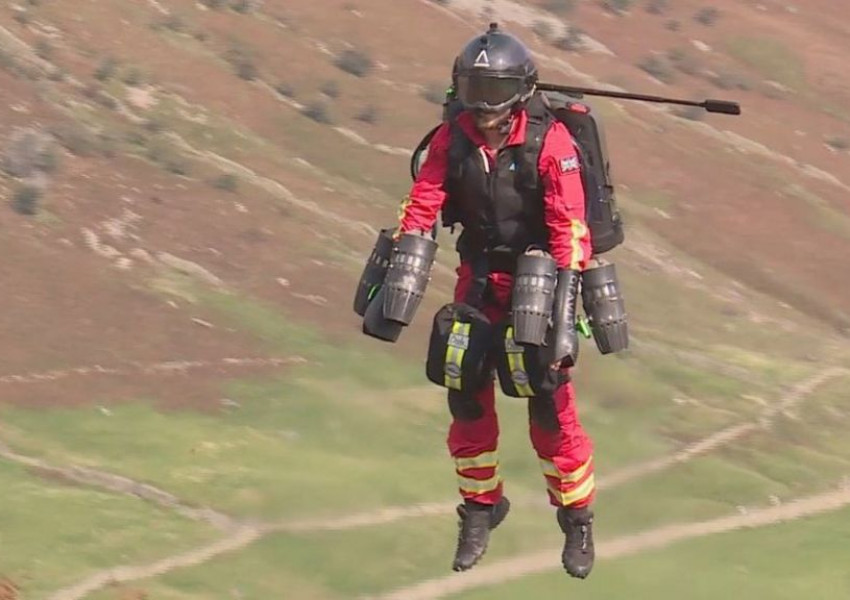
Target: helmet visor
488, 93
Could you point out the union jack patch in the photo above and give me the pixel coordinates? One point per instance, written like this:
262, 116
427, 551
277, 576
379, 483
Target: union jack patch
569, 164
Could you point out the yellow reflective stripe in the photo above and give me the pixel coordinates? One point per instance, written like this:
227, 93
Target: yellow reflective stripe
576, 495
478, 486
402, 207
577, 231
482, 461
454, 356
516, 363
548, 467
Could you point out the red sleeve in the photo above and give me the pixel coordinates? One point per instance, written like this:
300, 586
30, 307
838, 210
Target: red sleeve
564, 208
420, 209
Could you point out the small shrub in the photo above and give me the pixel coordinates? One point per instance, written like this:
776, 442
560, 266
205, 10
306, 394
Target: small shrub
442, 2
135, 137
691, 113
44, 50
247, 70
330, 89
683, 61
318, 112
368, 115
28, 152
707, 16
244, 6
673, 25
559, 7
154, 125
658, 67
26, 199
56, 74
285, 89
657, 7
227, 182
133, 77
543, 29
106, 69
175, 23
573, 41
214, 4
729, 80
242, 62
177, 165
618, 7
77, 139
107, 143
23, 17
48, 160
101, 97
839, 143
355, 62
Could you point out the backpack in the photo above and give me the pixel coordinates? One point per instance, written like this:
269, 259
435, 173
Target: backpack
601, 213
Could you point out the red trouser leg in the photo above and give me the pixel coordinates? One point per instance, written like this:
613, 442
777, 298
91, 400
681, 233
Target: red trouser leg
473, 443
474, 433
564, 449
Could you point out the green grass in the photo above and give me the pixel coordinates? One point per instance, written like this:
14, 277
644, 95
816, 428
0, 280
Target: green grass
348, 564
822, 215
288, 452
652, 198
771, 58
806, 558
357, 441
675, 310
282, 332
297, 447
319, 565
53, 534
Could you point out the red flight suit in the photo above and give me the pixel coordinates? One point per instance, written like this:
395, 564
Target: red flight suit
562, 446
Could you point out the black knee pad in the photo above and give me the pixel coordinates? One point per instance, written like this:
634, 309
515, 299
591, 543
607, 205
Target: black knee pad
541, 410
464, 406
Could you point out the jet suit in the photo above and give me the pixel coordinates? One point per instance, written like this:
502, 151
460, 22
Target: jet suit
483, 189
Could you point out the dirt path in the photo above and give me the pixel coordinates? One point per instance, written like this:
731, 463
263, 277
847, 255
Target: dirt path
118, 484
539, 562
158, 368
242, 534
796, 395
238, 538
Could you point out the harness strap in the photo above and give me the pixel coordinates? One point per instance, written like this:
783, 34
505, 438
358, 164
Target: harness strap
539, 120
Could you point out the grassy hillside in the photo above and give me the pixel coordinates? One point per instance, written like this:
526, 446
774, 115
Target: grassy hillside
191, 189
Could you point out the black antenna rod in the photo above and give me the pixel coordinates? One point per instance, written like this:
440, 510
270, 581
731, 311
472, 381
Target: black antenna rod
713, 106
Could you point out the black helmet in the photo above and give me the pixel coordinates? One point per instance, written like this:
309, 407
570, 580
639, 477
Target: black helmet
494, 71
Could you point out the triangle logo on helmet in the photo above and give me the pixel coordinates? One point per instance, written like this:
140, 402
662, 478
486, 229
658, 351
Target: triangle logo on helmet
482, 60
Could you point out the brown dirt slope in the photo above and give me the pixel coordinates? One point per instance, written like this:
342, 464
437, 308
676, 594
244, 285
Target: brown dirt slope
152, 104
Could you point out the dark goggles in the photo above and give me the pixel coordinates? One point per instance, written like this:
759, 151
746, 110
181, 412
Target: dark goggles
489, 93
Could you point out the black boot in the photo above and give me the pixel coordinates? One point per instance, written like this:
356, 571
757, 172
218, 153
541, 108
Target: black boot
577, 525
476, 521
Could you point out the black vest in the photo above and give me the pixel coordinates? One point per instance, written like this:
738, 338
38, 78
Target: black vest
501, 210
